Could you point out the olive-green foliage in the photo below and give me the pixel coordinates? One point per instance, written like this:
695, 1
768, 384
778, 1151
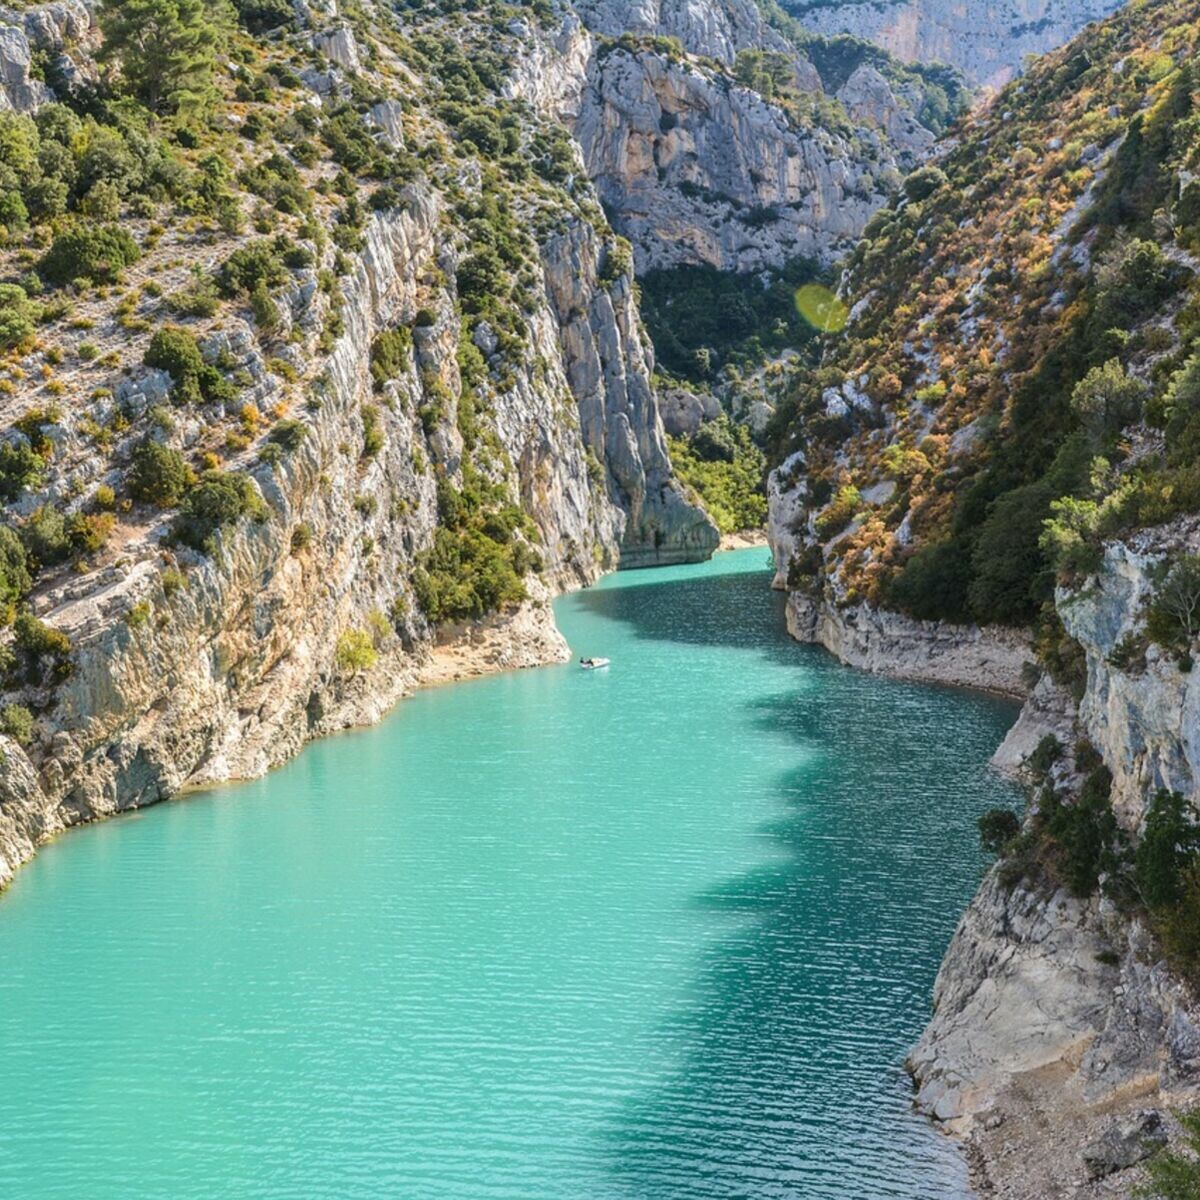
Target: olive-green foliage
176, 351
94, 252
726, 470
1106, 399
839, 513
1173, 617
288, 434
21, 468
1085, 834
165, 49
14, 574
372, 431
1170, 840
391, 351
998, 827
45, 537
356, 651
261, 16
42, 648
1172, 1175
18, 315
158, 474
219, 499
249, 266
477, 562
17, 722
700, 319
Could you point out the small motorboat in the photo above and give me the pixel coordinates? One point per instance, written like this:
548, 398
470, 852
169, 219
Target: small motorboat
593, 664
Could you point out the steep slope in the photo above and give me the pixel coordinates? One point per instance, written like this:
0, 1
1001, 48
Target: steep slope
987, 41
298, 378
991, 479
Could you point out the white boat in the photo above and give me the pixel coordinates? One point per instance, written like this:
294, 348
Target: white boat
593, 664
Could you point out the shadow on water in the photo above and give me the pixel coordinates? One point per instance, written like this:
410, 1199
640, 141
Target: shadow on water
790, 1081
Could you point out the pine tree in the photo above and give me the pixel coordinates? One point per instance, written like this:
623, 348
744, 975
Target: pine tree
166, 49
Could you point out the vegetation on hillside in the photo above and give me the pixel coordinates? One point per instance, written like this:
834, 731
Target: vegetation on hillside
1025, 338
725, 469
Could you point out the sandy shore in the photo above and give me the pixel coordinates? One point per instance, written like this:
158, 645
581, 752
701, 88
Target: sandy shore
743, 539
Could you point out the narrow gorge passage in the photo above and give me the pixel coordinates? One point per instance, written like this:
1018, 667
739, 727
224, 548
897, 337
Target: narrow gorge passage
661, 931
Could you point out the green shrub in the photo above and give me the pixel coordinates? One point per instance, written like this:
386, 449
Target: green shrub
356, 651
21, 468
45, 536
95, 252
177, 352
1046, 753
1170, 841
17, 722
1106, 399
288, 433
1085, 832
1173, 617
158, 474
248, 267
15, 580
372, 431
40, 642
932, 586
840, 512
18, 316
391, 352
923, 182
199, 298
997, 828
220, 499
465, 575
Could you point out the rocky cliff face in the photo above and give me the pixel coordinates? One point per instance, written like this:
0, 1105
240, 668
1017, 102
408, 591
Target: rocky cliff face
988, 40
58, 35
235, 671
697, 169
1056, 1021
186, 666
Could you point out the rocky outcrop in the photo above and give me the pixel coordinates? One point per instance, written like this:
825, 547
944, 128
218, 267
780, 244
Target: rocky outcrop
887, 643
1061, 1010
227, 665
55, 32
1143, 717
696, 169
987, 40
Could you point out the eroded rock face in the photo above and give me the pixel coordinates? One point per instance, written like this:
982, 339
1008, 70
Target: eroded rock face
717, 29
1145, 721
56, 30
696, 169
239, 667
886, 643
985, 39
1062, 1007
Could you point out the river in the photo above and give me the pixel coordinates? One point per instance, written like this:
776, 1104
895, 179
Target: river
661, 931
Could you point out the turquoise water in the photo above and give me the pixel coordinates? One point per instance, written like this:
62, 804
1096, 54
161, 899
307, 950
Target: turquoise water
662, 931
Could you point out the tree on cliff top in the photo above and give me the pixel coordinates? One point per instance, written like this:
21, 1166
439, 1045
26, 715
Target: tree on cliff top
166, 49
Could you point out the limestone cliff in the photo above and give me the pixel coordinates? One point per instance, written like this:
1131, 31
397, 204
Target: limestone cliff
401, 405
1055, 1012
987, 40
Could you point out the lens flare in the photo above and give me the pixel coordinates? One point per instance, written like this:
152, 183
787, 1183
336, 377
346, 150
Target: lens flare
821, 308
